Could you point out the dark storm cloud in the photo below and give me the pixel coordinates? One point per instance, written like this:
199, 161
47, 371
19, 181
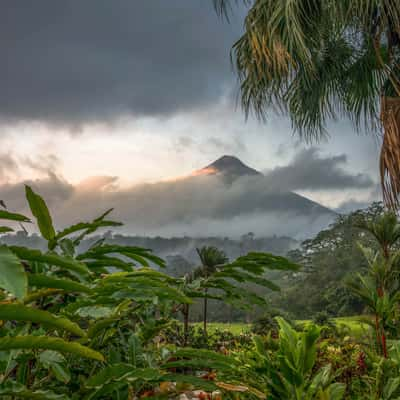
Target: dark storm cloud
76, 61
310, 171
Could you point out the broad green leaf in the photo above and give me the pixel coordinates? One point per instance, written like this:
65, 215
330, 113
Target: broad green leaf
12, 274
41, 213
391, 386
336, 391
48, 343
50, 258
199, 358
108, 374
123, 372
61, 372
199, 364
49, 357
53, 361
198, 383
89, 226
106, 261
5, 229
94, 312
45, 281
17, 391
131, 252
99, 326
41, 294
13, 216
19, 312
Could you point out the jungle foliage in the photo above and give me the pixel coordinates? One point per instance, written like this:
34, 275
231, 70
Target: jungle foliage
87, 325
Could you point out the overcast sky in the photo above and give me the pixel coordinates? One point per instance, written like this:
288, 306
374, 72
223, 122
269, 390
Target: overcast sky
133, 91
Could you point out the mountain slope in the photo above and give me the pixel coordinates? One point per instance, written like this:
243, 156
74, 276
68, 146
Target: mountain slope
260, 196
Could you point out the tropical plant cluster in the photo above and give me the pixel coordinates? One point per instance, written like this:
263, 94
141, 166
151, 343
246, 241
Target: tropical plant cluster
88, 324
105, 322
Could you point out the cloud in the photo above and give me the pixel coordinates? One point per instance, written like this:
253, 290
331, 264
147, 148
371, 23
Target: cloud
202, 205
54, 189
353, 203
8, 165
75, 61
310, 171
43, 163
193, 206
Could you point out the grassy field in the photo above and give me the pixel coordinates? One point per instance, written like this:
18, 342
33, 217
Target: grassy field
235, 328
356, 327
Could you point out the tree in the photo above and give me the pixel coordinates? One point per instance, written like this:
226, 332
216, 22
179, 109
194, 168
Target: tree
379, 287
327, 260
320, 60
210, 258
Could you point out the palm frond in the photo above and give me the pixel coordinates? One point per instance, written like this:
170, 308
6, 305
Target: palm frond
224, 7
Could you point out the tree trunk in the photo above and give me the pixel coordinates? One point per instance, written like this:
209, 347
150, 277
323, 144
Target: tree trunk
185, 324
390, 152
205, 313
380, 328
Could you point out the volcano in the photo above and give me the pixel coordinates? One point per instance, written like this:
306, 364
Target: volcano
258, 196
228, 167
226, 198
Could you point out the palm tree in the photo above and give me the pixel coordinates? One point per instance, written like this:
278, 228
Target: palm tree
210, 258
324, 59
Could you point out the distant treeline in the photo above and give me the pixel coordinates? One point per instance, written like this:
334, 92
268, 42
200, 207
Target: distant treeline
183, 246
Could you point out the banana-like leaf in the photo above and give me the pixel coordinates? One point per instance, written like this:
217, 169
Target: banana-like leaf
90, 226
19, 312
41, 294
132, 252
5, 229
138, 258
127, 372
50, 258
12, 274
45, 281
140, 289
48, 343
41, 213
106, 261
198, 383
17, 391
13, 216
141, 272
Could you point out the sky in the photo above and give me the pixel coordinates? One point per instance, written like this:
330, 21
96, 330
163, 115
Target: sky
101, 97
